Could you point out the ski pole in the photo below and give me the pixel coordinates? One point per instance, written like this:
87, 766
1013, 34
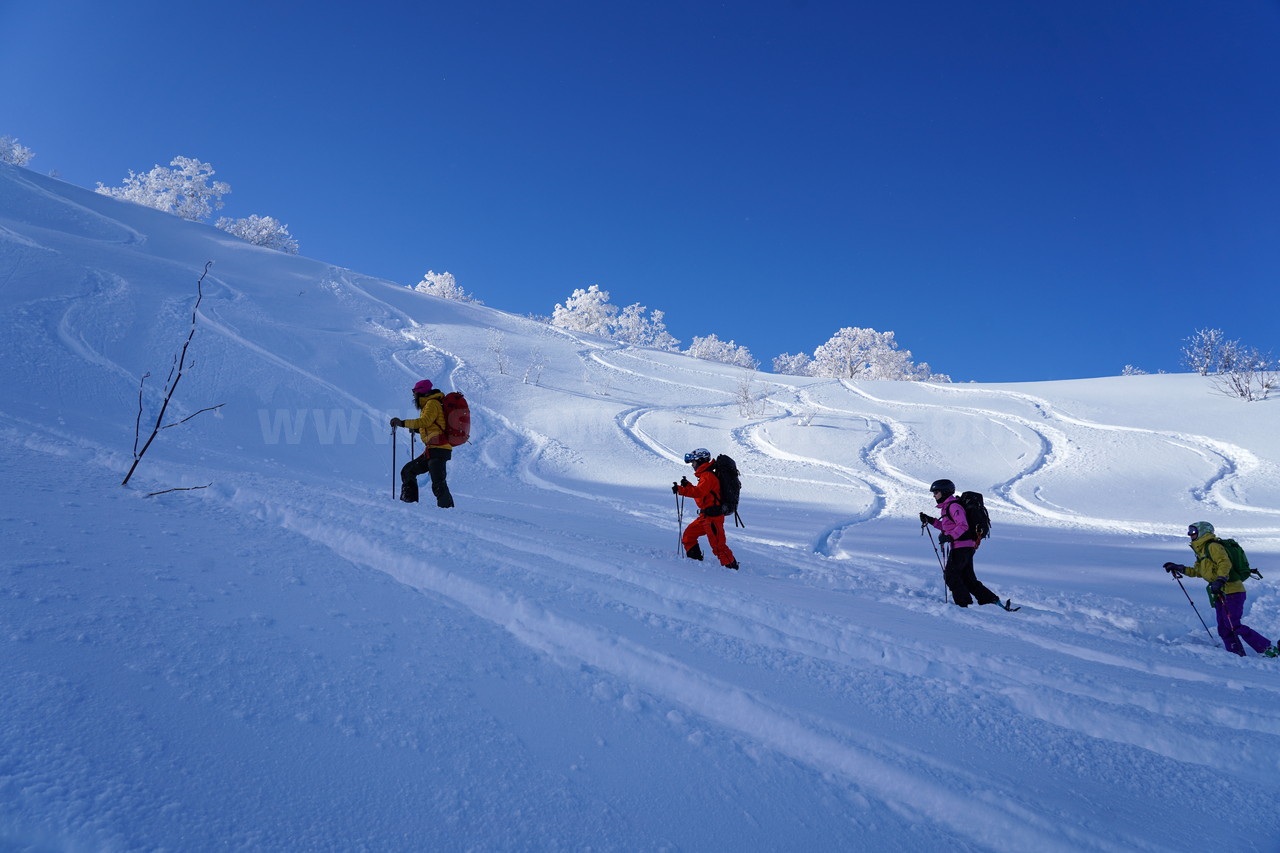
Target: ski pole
923, 528
679, 524
393, 463
947, 548
1178, 578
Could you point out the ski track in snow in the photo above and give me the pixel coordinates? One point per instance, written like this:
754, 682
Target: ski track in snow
1095, 707
890, 487
738, 650
1235, 462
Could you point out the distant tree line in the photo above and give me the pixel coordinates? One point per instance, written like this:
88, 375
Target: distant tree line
852, 353
186, 189
183, 189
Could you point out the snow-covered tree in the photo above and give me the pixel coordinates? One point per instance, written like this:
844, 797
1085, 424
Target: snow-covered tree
1202, 352
634, 327
264, 231
853, 353
712, 348
586, 311
856, 353
183, 190
799, 364
444, 285
12, 152
1132, 370
591, 311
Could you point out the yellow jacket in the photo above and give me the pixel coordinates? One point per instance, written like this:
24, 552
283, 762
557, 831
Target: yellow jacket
1212, 563
430, 421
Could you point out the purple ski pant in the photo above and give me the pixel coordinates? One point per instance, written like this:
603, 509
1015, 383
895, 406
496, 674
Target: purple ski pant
1230, 608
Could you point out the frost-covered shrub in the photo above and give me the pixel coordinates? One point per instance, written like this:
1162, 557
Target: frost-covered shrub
634, 326
799, 364
586, 311
1246, 372
923, 373
1202, 351
445, 286
591, 311
183, 190
1235, 369
12, 152
712, 348
264, 231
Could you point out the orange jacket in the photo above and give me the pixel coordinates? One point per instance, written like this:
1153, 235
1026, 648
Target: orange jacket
706, 492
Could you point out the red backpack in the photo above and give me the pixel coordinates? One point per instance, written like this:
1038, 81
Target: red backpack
457, 418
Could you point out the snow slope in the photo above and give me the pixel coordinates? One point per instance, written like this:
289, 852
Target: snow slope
289, 659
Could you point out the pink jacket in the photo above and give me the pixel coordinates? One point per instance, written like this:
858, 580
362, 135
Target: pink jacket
952, 521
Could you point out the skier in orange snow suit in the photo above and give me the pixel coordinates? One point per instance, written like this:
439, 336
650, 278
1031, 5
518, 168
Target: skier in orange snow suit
710, 520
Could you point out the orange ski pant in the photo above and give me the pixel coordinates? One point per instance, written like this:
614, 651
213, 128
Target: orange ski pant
711, 527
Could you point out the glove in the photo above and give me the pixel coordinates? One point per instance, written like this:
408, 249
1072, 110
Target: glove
927, 519
1173, 568
684, 481
675, 488
945, 538
396, 422
1217, 585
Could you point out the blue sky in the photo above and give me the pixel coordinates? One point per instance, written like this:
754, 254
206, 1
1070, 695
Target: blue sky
1019, 190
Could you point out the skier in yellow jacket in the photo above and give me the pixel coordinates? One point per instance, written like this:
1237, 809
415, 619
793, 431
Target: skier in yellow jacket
1214, 565
436, 451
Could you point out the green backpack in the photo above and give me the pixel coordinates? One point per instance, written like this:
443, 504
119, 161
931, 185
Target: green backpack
1240, 570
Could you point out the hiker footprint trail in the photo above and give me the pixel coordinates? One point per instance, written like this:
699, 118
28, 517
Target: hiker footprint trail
824, 682
735, 654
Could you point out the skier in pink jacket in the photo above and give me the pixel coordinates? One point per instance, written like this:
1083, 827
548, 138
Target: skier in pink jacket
958, 572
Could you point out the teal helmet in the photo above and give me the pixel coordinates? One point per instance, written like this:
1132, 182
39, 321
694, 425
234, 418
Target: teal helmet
1199, 529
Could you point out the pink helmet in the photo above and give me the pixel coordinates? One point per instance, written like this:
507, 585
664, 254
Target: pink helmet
422, 388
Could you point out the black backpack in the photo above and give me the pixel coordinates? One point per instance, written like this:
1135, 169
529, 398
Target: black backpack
726, 471
975, 512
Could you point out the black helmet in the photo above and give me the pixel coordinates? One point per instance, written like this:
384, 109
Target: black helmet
697, 457
947, 487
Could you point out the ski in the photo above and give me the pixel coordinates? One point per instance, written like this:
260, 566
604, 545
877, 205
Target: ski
1008, 605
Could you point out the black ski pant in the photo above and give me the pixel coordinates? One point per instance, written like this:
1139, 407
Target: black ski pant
961, 580
433, 461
